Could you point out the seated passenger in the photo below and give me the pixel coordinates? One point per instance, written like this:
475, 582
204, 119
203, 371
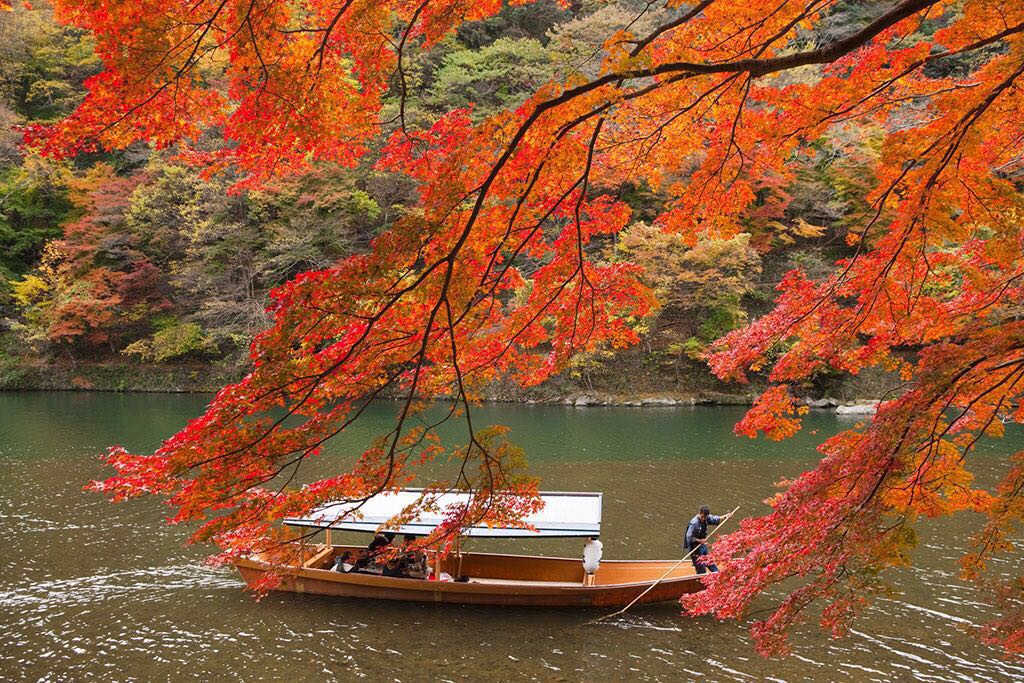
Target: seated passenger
414, 560
393, 568
345, 563
378, 542
377, 549
362, 561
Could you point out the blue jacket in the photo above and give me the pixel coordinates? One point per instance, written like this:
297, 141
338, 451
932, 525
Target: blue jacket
698, 529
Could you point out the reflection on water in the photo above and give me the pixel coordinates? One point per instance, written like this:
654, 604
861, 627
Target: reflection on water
90, 590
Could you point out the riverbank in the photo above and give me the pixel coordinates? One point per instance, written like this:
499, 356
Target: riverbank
623, 383
117, 376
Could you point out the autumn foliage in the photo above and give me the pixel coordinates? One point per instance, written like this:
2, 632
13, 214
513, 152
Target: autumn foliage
94, 284
491, 276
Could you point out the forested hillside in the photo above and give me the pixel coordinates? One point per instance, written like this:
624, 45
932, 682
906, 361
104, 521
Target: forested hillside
136, 259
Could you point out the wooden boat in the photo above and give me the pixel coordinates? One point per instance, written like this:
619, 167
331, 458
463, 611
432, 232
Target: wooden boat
484, 578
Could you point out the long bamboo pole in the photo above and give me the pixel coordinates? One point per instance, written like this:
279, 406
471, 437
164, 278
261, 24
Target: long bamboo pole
663, 576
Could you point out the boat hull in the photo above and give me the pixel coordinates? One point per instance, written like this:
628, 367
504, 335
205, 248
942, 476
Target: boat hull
553, 582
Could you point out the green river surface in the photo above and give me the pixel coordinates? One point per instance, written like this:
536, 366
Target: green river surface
95, 591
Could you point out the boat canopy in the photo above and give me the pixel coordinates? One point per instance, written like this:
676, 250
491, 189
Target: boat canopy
564, 515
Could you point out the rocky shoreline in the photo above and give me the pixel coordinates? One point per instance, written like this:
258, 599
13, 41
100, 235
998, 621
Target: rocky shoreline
210, 377
855, 407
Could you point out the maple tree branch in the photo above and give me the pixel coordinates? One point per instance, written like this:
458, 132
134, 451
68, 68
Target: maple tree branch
328, 30
693, 13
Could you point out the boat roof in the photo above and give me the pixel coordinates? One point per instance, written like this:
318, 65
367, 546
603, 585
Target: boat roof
564, 515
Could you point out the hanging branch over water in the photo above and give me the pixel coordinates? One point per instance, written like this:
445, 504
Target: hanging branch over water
490, 278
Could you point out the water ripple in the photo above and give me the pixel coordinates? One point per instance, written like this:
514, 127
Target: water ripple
130, 584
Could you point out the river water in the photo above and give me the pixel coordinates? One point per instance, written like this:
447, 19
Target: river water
95, 591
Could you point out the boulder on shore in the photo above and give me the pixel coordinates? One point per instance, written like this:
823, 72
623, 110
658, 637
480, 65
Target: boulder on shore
859, 408
825, 402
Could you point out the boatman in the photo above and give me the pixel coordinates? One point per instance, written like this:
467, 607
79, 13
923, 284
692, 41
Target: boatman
697, 536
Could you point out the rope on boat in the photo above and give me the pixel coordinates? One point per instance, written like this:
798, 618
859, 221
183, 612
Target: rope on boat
666, 574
